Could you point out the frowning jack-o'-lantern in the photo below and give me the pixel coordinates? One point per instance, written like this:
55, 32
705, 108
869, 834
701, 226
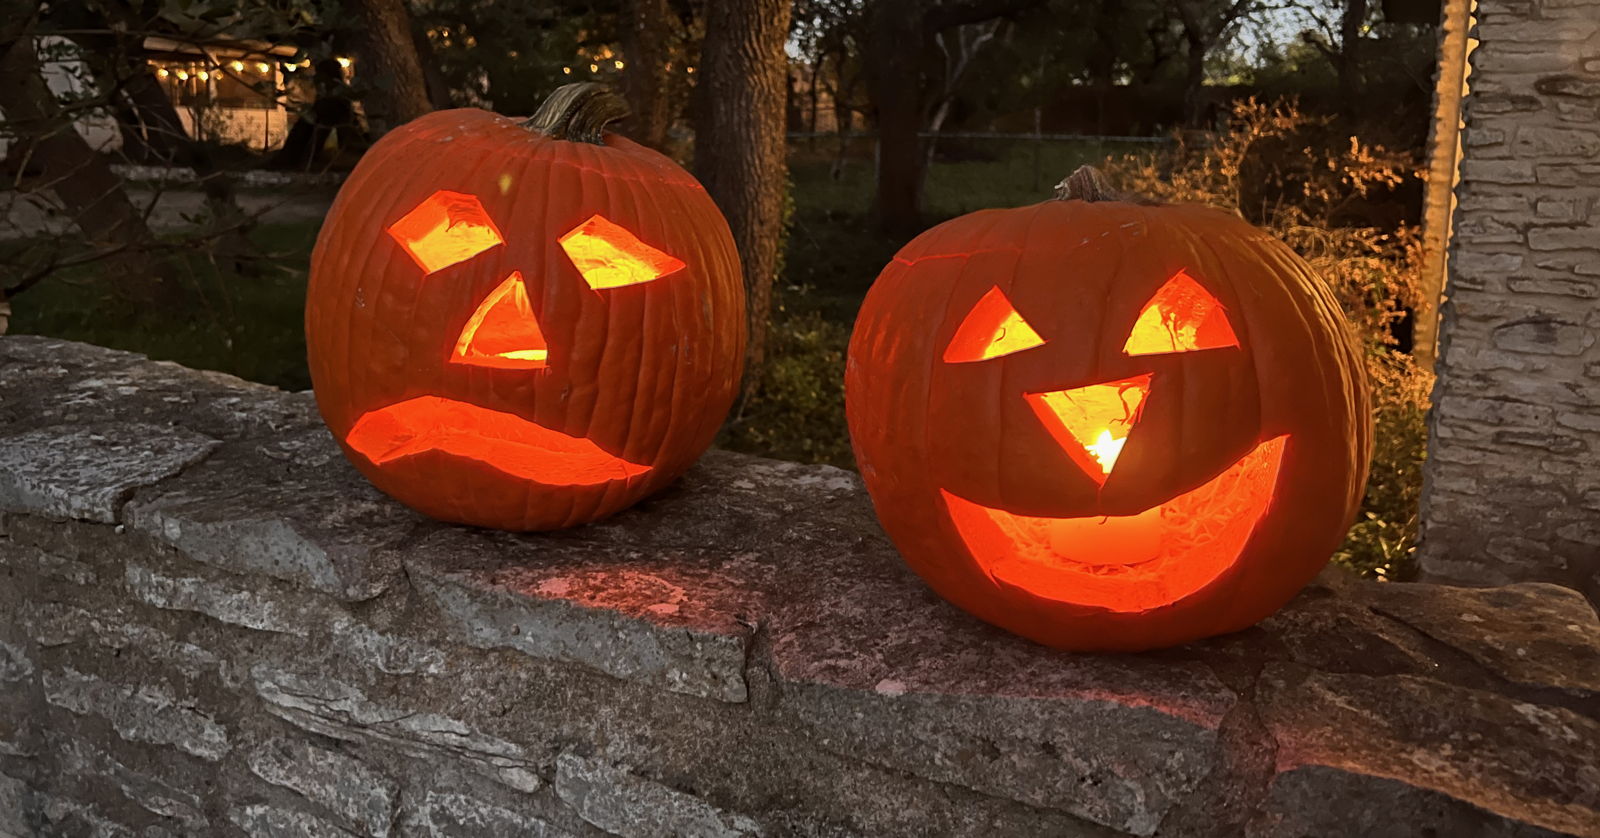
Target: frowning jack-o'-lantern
1105, 424
523, 325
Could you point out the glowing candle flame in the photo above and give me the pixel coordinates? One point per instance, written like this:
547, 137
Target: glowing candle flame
1105, 449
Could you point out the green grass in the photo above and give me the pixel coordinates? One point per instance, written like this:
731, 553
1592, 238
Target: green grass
249, 326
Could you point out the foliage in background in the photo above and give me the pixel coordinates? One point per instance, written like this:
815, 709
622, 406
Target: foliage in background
1329, 197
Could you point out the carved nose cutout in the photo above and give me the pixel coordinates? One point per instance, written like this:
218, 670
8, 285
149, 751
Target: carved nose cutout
608, 256
1181, 317
503, 333
1092, 423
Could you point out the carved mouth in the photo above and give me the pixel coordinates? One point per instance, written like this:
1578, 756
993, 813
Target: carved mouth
503, 441
1126, 562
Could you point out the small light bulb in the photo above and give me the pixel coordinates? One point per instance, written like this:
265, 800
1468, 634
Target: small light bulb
204, 76
183, 75
237, 66
344, 62
263, 68
162, 73
594, 68
566, 71
689, 70
618, 63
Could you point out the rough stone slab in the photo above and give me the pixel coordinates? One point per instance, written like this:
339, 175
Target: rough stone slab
1427, 755
779, 659
29, 559
45, 381
362, 796
1533, 634
390, 654
658, 619
16, 801
146, 713
630, 806
292, 509
880, 670
149, 793
87, 473
452, 814
55, 624
259, 820
228, 602
339, 710
14, 664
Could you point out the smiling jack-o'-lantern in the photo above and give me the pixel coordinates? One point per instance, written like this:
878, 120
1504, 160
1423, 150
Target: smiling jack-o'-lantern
1105, 424
523, 325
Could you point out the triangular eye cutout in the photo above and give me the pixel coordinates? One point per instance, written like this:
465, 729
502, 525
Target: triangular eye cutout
991, 329
1092, 423
609, 256
503, 333
1181, 317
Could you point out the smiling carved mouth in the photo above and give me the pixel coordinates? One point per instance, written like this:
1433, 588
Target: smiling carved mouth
1126, 562
503, 441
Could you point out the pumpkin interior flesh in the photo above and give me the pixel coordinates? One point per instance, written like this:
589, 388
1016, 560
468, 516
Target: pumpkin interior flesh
1126, 562
609, 256
504, 441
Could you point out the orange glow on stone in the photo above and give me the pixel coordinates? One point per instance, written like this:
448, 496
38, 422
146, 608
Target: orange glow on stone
447, 228
1092, 423
503, 333
1126, 562
991, 329
503, 441
1181, 317
609, 256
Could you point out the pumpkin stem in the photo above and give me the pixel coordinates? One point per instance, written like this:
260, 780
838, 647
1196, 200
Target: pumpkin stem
1086, 184
578, 113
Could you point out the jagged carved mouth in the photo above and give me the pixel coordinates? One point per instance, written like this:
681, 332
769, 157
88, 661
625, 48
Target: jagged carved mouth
503, 441
1126, 562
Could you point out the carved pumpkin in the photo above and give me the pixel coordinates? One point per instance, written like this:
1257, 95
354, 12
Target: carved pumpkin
523, 325
1108, 425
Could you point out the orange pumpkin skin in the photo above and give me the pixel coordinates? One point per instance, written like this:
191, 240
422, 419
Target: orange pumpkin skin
635, 378
1242, 469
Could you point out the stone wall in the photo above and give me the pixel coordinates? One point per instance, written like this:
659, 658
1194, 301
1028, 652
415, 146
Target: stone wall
1513, 476
210, 625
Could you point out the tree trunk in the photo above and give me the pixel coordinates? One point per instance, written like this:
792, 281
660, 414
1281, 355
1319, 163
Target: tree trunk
739, 145
1444, 158
432, 76
646, 82
53, 154
1350, 36
1194, 82
388, 67
893, 74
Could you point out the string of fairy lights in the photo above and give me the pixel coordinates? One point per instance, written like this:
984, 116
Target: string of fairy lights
190, 77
